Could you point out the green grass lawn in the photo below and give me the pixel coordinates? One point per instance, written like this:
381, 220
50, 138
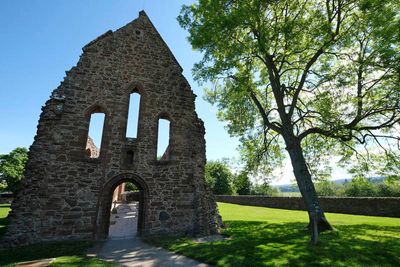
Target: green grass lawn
4, 209
274, 237
257, 237
66, 253
71, 253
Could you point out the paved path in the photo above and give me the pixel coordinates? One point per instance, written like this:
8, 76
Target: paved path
125, 249
123, 224
134, 252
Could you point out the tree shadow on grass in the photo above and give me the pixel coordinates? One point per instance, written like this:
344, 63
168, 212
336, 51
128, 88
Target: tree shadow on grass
287, 244
3, 226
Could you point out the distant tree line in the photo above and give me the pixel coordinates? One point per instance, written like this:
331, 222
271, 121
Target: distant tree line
222, 181
359, 187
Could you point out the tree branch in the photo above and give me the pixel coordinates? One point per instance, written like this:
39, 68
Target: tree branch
264, 114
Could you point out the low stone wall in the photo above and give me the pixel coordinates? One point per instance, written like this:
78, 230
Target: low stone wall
6, 200
128, 197
374, 206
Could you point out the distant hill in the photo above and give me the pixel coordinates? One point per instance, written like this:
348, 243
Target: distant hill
294, 188
374, 180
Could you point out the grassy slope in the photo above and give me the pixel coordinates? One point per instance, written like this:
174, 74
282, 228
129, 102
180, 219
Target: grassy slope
66, 253
274, 237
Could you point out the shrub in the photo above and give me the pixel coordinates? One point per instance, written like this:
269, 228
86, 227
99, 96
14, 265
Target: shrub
388, 189
219, 178
360, 187
264, 189
326, 188
242, 183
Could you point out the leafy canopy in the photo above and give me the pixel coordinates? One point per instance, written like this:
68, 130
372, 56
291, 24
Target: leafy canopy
326, 72
219, 178
12, 167
242, 183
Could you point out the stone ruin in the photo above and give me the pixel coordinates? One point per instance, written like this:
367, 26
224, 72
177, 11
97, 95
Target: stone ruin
69, 183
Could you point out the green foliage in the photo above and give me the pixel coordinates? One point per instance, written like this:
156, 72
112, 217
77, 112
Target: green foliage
325, 72
273, 237
264, 189
359, 187
388, 188
242, 183
81, 260
326, 188
12, 168
219, 178
131, 187
389, 165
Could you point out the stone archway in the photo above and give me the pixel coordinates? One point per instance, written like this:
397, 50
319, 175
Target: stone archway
105, 202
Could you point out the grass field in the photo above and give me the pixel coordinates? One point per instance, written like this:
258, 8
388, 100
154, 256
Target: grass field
289, 194
273, 237
4, 209
256, 237
66, 253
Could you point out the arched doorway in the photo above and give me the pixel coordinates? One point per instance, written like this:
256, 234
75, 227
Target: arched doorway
106, 204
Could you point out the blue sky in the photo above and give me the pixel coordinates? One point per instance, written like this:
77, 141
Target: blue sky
40, 40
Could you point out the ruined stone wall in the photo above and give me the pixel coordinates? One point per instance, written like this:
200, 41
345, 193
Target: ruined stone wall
91, 150
66, 194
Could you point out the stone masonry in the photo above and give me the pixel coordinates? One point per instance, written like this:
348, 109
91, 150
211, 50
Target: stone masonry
66, 193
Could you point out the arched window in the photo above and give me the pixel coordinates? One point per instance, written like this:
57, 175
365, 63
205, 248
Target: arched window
163, 139
95, 134
133, 115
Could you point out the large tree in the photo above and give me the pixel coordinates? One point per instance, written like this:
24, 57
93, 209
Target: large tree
310, 76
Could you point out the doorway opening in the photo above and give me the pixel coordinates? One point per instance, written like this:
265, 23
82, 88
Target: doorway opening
105, 206
125, 211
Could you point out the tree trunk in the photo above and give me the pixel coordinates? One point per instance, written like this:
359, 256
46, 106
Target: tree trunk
306, 186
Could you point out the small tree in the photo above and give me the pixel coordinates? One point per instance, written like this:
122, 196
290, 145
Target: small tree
388, 188
360, 187
264, 189
326, 188
12, 168
219, 178
131, 187
242, 183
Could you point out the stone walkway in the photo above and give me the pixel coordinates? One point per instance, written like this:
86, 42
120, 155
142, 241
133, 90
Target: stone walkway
124, 248
123, 224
